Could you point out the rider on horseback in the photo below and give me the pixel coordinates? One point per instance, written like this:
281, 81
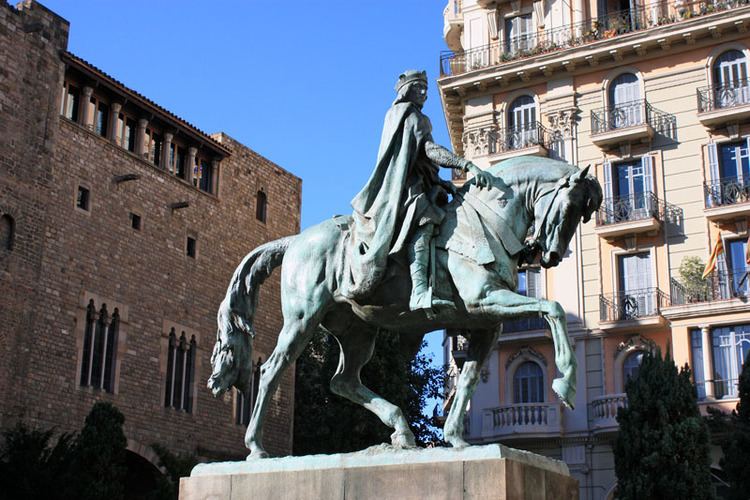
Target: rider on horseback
403, 197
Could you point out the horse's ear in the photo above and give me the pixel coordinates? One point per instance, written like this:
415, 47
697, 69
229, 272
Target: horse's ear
581, 174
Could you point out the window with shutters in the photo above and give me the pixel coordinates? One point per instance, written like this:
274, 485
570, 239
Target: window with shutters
179, 388
729, 172
729, 72
519, 34
522, 126
100, 347
529, 285
244, 403
528, 383
629, 192
626, 108
636, 293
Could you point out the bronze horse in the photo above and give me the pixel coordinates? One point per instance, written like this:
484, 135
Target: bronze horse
528, 192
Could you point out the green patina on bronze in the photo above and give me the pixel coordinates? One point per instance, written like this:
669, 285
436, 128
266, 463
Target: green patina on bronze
352, 276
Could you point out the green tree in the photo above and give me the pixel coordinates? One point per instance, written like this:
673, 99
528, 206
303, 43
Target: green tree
31, 467
98, 464
736, 447
661, 450
176, 465
327, 423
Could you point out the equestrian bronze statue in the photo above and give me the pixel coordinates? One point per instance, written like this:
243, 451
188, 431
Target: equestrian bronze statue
417, 255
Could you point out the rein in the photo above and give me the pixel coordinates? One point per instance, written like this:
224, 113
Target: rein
533, 246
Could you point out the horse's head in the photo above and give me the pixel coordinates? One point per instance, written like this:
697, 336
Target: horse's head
559, 209
230, 360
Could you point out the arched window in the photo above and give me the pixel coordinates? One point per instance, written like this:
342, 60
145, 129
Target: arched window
730, 79
730, 69
625, 106
7, 230
180, 372
261, 206
522, 123
528, 383
100, 347
631, 365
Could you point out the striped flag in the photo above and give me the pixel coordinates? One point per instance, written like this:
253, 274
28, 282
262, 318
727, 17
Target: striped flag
711, 264
747, 251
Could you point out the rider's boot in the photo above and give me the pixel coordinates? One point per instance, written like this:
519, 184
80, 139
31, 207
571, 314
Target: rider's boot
419, 258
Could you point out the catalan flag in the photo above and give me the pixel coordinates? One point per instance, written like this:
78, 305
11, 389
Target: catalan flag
711, 264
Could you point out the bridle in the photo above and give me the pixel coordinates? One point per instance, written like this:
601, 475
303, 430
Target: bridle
532, 246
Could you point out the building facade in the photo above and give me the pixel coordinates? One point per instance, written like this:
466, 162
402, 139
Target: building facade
655, 97
120, 227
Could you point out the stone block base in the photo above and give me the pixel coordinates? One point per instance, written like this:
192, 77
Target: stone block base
380, 473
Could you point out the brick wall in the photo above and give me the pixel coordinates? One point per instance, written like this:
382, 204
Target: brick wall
65, 255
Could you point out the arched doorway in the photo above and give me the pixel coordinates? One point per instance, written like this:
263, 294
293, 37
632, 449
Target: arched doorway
142, 477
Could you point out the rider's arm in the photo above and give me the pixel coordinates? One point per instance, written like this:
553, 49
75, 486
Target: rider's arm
441, 156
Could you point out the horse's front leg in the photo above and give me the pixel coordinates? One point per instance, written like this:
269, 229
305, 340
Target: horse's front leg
481, 343
507, 305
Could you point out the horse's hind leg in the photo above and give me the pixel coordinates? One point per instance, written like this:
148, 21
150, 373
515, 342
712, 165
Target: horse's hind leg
293, 339
357, 346
481, 343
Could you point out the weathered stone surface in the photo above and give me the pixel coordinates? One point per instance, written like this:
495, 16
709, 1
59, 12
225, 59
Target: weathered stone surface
478, 473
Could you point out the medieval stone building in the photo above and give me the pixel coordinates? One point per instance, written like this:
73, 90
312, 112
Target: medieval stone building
120, 226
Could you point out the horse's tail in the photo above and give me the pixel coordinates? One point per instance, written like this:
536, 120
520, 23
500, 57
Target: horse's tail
237, 310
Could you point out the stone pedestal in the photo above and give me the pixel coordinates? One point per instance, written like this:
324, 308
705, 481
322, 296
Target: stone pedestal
478, 472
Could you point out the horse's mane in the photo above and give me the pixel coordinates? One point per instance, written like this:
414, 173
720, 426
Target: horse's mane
531, 169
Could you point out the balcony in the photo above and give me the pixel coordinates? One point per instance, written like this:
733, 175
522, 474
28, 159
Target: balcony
587, 32
501, 143
632, 308
722, 292
453, 24
521, 420
727, 199
722, 104
626, 215
629, 122
604, 411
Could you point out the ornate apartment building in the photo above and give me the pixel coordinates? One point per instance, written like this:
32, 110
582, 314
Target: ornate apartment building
120, 227
655, 96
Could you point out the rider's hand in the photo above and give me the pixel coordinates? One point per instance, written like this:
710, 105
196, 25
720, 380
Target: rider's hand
483, 179
449, 186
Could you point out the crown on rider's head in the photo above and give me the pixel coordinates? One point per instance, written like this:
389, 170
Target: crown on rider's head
409, 76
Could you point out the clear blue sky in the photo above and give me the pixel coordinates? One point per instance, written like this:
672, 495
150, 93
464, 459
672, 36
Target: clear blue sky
305, 84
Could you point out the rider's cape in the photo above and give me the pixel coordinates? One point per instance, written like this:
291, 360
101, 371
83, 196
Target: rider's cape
395, 198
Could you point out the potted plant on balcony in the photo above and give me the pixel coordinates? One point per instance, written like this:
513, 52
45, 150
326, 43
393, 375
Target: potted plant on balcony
691, 277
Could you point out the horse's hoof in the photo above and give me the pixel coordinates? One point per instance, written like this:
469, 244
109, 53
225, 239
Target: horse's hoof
565, 392
257, 454
403, 440
456, 442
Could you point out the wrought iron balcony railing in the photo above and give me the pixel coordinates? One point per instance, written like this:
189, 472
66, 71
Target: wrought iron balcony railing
576, 34
630, 114
716, 97
727, 191
629, 209
492, 140
634, 208
717, 286
632, 304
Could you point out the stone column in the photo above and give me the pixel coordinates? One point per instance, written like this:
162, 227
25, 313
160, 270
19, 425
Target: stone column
708, 362
85, 116
215, 176
165, 145
114, 115
192, 152
140, 137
